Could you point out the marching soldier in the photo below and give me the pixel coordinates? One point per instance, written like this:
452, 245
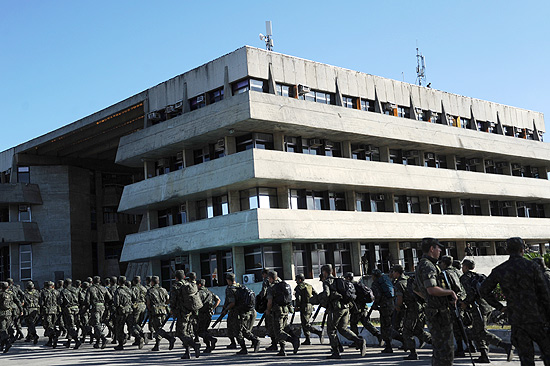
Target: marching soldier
189, 304
31, 308
157, 300
84, 313
122, 301
70, 309
49, 306
303, 292
383, 302
268, 317
110, 311
17, 307
210, 302
6, 308
139, 292
176, 304
60, 321
97, 298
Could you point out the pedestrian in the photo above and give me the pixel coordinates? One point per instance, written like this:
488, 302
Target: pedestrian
70, 308
210, 302
49, 307
303, 292
383, 302
97, 296
157, 301
31, 307
122, 301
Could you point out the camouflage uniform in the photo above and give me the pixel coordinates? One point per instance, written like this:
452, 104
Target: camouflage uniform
110, 311
6, 307
176, 307
238, 324
385, 309
438, 315
302, 293
280, 321
414, 319
49, 307
70, 308
31, 309
123, 301
17, 295
157, 298
358, 313
189, 305
138, 308
204, 319
84, 313
269, 318
96, 299
455, 284
528, 305
398, 317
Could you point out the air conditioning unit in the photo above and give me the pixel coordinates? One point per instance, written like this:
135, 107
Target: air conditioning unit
474, 161
430, 156
179, 156
435, 200
179, 104
220, 145
502, 165
154, 116
410, 153
489, 162
302, 89
360, 147
200, 99
379, 197
507, 204
315, 142
405, 245
248, 279
389, 106
516, 166
170, 109
329, 144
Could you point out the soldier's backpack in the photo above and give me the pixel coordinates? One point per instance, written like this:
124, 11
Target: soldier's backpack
386, 286
346, 289
476, 281
261, 303
409, 294
282, 293
245, 299
190, 297
364, 294
6, 301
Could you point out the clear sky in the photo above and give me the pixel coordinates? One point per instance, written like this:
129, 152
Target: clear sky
63, 60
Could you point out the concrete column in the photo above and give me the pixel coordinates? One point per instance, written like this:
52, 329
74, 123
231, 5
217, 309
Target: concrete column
230, 145
507, 170
384, 154
279, 141
346, 149
421, 157
234, 201
195, 264
389, 202
542, 248
152, 219
238, 263
351, 203
289, 270
451, 162
461, 249
547, 210
148, 169
424, 204
282, 197
485, 208
355, 249
394, 251
492, 250
514, 209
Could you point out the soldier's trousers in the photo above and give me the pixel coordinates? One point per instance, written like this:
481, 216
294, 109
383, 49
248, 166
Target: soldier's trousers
203, 323
31, 318
185, 329
85, 323
479, 333
137, 316
269, 327
122, 319
238, 325
156, 323
69, 317
386, 328
305, 320
48, 322
280, 325
413, 326
523, 337
440, 324
337, 321
357, 316
96, 319
5, 324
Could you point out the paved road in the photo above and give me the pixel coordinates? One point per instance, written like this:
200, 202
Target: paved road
30, 355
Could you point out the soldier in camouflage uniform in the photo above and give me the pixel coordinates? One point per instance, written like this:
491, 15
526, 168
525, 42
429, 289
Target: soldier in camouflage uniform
338, 315
138, 310
70, 308
190, 303
122, 301
238, 324
527, 302
84, 313
414, 320
17, 307
210, 302
479, 311
399, 282
545, 270
78, 287
110, 311
6, 308
383, 302
176, 304
303, 292
431, 288
96, 299
157, 301
60, 321
49, 306
268, 318
31, 308
147, 287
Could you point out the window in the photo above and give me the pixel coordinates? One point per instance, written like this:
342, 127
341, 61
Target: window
215, 265
470, 207
201, 155
4, 214
407, 204
165, 218
375, 256
362, 202
25, 213
349, 102
403, 112
409, 253
365, 152
4, 263
255, 141
337, 201
501, 208
440, 206
23, 174
215, 96
259, 257
433, 160
181, 214
297, 199
530, 210
341, 258
308, 258
411, 157
396, 156
285, 90
302, 261
248, 84
292, 144
197, 102
318, 96
313, 146
220, 205
465, 123
378, 203
113, 250
367, 105
319, 258
508, 130
332, 149
25, 261
257, 85
258, 198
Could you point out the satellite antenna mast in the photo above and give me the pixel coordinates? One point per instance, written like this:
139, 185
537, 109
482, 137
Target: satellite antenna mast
268, 38
420, 68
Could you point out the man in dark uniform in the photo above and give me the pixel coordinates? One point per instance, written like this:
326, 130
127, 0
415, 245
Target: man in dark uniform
69, 308
176, 304
268, 318
138, 310
399, 282
6, 308
527, 301
17, 307
431, 287
49, 306
210, 302
84, 313
122, 301
189, 303
303, 292
383, 302
338, 315
96, 299
31, 307
110, 311
157, 301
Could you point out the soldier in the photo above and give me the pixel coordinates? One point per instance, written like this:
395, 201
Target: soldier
31, 308
399, 282
70, 308
414, 320
84, 313
527, 301
110, 311
189, 304
147, 287
210, 302
545, 270
96, 299
238, 324
60, 321
176, 303
78, 287
303, 292
49, 306
358, 310
122, 301
479, 311
157, 300
383, 302
431, 287
138, 310
17, 307
278, 304
338, 314
6, 308
268, 318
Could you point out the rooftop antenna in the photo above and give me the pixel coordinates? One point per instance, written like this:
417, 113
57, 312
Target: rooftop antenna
420, 67
268, 38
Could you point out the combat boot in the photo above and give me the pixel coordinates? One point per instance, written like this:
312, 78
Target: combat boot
483, 358
335, 355
28, 338
388, 349
379, 337
295, 345
282, 352
197, 348
363, 347
273, 346
208, 349
459, 353
7, 347
508, 349
172, 341
120, 346
19, 334
213, 342
35, 339
307, 341
103, 342
232, 345
141, 342
243, 350
49, 342
256, 345
156, 347
67, 343
186, 355
412, 356
77, 344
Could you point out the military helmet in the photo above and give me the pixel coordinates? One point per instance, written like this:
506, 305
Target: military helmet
30, 285
348, 275
469, 263
300, 276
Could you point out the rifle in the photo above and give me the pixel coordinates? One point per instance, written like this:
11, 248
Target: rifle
324, 320
456, 312
172, 325
261, 320
293, 315
315, 315
220, 318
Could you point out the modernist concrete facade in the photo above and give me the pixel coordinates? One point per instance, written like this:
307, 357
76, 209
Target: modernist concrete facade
262, 159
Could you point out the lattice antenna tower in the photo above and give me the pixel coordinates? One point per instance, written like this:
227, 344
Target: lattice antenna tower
268, 38
420, 68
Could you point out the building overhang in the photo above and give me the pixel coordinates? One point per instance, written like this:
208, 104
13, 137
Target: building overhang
20, 232
20, 193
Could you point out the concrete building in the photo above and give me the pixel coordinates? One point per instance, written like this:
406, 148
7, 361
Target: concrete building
259, 159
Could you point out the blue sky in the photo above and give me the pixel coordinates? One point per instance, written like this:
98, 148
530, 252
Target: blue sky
63, 60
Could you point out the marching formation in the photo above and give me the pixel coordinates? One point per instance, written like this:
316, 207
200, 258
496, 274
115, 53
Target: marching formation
449, 296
